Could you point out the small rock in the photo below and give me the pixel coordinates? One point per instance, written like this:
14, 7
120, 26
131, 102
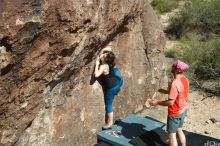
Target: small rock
206, 132
208, 121
213, 120
217, 122
209, 95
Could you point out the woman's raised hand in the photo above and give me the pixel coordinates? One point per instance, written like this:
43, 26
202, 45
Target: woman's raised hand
97, 60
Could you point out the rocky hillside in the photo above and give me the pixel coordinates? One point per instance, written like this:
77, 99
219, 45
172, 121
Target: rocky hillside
47, 53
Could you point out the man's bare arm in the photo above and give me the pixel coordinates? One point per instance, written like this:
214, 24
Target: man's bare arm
168, 102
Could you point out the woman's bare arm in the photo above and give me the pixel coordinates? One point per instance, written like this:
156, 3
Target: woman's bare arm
101, 69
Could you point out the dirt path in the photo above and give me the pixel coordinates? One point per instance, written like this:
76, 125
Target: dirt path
164, 19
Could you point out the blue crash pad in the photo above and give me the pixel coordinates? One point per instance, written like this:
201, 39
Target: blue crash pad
140, 131
130, 128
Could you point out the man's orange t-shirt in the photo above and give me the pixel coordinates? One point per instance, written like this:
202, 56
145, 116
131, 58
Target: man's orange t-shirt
179, 92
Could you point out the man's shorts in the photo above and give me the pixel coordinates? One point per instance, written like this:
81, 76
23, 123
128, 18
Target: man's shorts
175, 122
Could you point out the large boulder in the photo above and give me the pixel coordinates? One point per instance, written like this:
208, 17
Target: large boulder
47, 54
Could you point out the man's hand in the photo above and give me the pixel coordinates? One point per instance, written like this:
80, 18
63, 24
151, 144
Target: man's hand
153, 102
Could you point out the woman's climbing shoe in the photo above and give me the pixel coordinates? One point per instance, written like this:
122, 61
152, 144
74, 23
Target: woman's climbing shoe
106, 127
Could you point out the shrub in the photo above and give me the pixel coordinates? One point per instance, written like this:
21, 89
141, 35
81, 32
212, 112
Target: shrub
198, 15
164, 5
171, 54
203, 56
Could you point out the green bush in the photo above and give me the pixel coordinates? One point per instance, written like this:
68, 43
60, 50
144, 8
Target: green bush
171, 54
198, 15
203, 56
164, 5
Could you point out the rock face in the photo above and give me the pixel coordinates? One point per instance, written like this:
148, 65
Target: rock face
47, 53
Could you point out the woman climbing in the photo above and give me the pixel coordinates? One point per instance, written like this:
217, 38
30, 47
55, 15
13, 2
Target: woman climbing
111, 81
